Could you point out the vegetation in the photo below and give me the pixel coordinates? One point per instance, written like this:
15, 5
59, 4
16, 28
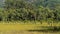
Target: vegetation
36, 10
39, 15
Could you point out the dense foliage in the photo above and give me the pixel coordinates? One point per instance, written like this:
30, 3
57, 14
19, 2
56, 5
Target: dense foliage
30, 10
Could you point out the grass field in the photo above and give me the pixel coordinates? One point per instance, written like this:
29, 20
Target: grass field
26, 32
22, 28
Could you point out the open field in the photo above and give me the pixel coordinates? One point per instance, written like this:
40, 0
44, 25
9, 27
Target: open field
22, 28
26, 32
25, 26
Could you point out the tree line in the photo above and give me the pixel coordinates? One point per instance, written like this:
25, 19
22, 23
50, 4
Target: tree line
15, 10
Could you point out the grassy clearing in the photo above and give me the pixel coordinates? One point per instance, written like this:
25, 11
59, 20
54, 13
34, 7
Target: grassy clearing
27, 25
21, 27
26, 32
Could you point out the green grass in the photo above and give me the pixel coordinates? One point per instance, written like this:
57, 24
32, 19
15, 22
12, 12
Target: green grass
27, 25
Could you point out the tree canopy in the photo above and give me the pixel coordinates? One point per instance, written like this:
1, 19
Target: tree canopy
30, 10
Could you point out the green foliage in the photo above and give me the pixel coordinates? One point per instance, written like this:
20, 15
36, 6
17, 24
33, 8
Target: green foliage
30, 10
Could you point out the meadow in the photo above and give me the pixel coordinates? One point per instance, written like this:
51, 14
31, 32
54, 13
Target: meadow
29, 27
